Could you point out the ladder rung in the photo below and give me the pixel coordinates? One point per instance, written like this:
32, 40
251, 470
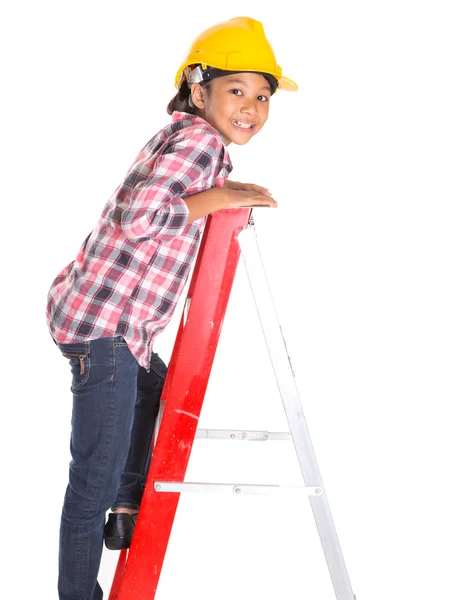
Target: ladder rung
234, 488
231, 434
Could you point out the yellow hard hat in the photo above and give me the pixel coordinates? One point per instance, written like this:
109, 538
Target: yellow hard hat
238, 44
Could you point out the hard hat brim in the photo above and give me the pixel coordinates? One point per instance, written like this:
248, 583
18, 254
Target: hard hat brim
287, 84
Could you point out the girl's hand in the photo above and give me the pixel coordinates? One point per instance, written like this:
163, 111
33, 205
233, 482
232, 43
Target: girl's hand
247, 197
218, 198
246, 187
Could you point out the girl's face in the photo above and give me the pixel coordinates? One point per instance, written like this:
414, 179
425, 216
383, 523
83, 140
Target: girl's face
236, 105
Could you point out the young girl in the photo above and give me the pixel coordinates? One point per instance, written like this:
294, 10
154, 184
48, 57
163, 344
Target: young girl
107, 306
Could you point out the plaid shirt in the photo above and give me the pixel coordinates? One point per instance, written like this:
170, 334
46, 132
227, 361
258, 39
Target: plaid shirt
131, 270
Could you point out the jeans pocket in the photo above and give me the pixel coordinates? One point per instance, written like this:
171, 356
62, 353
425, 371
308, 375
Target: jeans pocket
80, 367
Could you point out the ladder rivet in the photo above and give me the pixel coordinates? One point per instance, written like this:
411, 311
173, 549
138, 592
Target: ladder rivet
232, 436
157, 486
237, 490
318, 491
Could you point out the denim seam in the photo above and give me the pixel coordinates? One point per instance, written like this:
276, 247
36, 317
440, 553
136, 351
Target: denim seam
156, 372
79, 554
84, 381
87, 368
100, 474
104, 454
147, 462
149, 454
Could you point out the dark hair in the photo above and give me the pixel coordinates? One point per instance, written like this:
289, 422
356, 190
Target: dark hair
180, 102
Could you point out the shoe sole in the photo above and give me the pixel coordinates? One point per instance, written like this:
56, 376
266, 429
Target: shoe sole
117, 543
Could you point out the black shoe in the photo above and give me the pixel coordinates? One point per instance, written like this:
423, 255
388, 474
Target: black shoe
118, 530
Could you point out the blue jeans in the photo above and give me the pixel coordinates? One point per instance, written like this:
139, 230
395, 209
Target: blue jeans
115, 405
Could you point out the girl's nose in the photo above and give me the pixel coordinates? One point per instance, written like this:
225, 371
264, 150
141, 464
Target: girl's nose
249, 107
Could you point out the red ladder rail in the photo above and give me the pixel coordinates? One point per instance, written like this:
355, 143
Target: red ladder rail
137, 574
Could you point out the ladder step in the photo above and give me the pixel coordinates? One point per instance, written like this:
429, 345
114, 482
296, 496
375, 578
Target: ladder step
232, 434
234, 488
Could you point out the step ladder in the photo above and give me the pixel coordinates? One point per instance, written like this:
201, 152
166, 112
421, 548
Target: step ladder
228, 235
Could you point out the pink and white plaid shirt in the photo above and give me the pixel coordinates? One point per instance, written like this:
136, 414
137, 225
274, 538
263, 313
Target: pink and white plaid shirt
130, 271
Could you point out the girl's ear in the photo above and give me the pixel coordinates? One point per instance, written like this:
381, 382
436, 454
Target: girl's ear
198, 95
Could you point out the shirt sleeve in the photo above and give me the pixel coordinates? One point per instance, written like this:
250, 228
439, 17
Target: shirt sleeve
156, 208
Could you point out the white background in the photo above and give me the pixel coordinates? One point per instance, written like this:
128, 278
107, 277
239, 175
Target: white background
358, 254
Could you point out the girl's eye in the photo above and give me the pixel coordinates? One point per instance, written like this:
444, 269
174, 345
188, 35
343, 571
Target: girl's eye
261, 98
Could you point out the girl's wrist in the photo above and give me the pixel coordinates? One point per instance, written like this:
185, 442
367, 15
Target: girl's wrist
224, 197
